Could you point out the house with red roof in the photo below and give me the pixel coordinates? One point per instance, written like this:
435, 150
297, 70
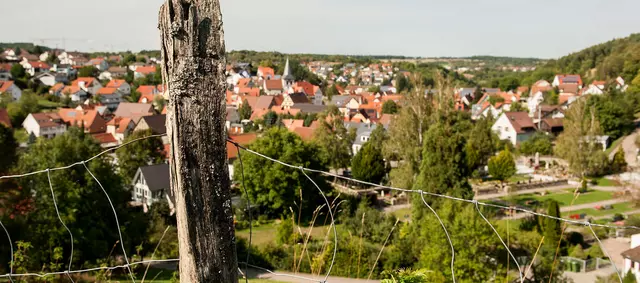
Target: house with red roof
567, 79
122, 86
88, 84
266, 73
105, 140
120, 127
144, 71
34, 67
232, 152
516, 127
273, 87
76, 93
147, 93
100, 63
11, 88
91, 120
47, 125
110, 97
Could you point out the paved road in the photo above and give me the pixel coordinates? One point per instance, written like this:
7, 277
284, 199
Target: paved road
630, 149
304, 278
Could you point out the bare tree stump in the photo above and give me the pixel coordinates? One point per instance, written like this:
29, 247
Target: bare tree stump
193, 69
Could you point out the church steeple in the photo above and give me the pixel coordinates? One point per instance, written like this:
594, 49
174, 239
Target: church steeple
287, 77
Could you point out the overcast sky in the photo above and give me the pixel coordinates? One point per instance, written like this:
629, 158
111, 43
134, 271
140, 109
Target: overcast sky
428, 28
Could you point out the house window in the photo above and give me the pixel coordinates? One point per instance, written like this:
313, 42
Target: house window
364, 139
506, 129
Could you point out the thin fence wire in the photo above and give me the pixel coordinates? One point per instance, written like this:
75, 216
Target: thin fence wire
55, 205
304, 170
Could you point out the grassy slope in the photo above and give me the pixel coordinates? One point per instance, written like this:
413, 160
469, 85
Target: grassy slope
564, 198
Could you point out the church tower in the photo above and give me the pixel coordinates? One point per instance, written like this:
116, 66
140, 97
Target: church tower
287, 77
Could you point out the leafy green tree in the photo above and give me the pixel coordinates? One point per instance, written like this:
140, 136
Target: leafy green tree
551, 97
409, 276
629, 278
619, 163
389, 107
18, 72
308, 120
333, 138
245, 110
493, 99
331, 91
88, 71
284, 231
374, 89
368, 164
615, 115
134, 96
129, 58
509, 83
502, 166
274, 187
444, 168
8, 146
481, 144
539, 143
403, 84
80, 199
159, 103
141, 153
518, 107
28, 103
270, 119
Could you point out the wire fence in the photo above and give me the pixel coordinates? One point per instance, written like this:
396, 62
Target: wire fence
332, 226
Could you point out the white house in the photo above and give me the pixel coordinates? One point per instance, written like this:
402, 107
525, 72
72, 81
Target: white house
632, 257
46, 125
121, 85
151, 184
76, 93
594, 89
10, 87
34, 67
88, 84
534, 101
363, 134
70, 58
515, 127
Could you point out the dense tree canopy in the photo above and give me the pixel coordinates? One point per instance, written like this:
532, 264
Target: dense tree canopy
539, 143
502, 166
334, 139
389, 107
145, 152
274, 187
368, 165
8, 146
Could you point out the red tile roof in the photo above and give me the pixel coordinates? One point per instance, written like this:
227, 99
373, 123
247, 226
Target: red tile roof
520, 121
266, 71
88, 81
71, 89
116, 83
147, 89
39, 65
306, 87
4, 86
145, 70
56, 87
46, 120
103, 138
107, 90
273, 84
243, 139
91, 119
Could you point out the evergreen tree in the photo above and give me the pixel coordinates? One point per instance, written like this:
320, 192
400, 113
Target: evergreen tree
389, 107
481, 144
245, 110
32, 138
619, 164
368, 164
334, 139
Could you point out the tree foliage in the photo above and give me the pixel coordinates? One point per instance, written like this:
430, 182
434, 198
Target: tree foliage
19, 110
274, 187
245, 110
502, 166
368, 165
334, 139
389, 107
619, 163
539, 143
88, 71
481, 144
138, 154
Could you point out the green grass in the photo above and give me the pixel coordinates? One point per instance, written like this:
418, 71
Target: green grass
47, 104
266, 233
563, 198
20, 135
614, 145
604, 182
617, 208
403, 213
518, 178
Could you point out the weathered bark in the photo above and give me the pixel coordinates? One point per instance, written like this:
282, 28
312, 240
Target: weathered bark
193, 70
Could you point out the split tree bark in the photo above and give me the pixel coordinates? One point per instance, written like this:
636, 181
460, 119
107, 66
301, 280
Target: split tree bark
193, 56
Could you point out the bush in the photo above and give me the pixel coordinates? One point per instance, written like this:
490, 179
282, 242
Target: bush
539, 143
595, 252
577, 252
618, 217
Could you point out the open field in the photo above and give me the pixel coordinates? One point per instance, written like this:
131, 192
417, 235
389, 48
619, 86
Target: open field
564, 198
617, 208
266, 233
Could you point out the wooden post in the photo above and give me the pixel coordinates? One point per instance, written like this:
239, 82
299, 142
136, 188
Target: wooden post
193, 69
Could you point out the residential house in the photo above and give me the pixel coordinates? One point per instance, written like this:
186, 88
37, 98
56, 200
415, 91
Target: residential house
91, 120
552, 126
120, 128
147, 93
121, 85
9, 54
75, 93
595, 88
47, 125
99, 63
540, 86
135, 65
113, 73
570, 88
632, 257
34, 67
567, 79
155, 123
151, 184
11, 88
305, 108
4, 118
363, 135
312, 91
105, 140
88, 84
273, 87
144, 71
72, 58
110, 97
232, 151
294, 99
620, 84
88, 105
566, 99
515, 127
233, 123
266, 73
134, 111
66, 70
5, 72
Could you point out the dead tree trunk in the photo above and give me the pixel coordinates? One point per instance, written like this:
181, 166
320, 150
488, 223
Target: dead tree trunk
193, 55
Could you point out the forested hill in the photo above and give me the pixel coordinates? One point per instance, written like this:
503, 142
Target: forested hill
618, 57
